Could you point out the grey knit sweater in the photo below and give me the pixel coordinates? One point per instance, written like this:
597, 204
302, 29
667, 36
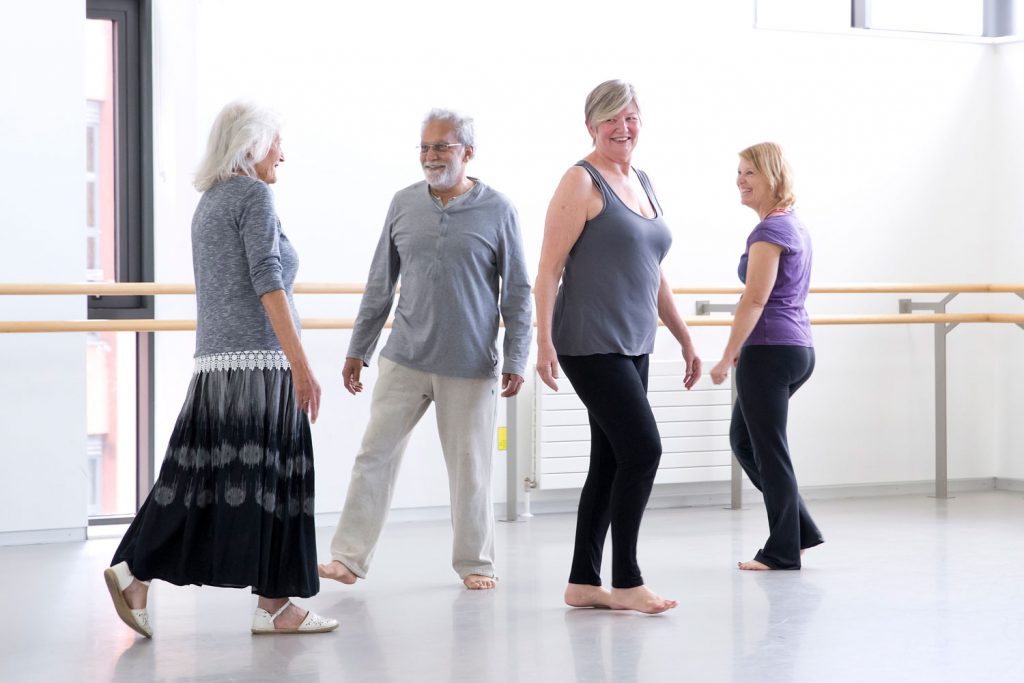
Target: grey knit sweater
239, 254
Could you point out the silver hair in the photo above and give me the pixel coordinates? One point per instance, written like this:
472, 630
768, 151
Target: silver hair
240, 138
607, 100
463, 124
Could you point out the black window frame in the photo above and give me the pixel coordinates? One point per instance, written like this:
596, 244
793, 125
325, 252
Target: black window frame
133, 95
134, 154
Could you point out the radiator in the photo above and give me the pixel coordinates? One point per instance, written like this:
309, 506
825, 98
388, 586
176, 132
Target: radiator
694, 428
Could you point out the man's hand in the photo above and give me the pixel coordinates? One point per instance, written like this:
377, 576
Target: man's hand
350, 375
510, 384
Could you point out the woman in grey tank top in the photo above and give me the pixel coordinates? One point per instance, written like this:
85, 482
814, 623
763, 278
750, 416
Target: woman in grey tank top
604, 239
233, 505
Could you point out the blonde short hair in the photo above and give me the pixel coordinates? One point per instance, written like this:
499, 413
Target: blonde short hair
607, 100
768, 159
240, 138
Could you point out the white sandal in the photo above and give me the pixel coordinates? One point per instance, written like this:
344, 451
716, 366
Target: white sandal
118, 578
263, 622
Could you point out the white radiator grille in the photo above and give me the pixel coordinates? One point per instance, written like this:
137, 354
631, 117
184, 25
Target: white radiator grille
694, 428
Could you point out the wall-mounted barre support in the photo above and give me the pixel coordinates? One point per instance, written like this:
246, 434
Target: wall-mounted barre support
705, 307
907, 306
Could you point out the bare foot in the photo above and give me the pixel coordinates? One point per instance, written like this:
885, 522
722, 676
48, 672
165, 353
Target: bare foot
640, 599
583, 595
754, 566
291, 618
478, 582
337, 571
135, 594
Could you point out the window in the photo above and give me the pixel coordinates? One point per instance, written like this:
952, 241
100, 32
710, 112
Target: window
118, 248
982, 18
956, 17
94, 256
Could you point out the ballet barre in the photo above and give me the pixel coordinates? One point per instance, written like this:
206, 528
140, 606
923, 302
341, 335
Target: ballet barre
942, 321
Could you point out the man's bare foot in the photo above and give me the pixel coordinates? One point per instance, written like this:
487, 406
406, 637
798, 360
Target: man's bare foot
135, 594
479, 582
753, 565
640, 599
337, 571
583, 595
291, 618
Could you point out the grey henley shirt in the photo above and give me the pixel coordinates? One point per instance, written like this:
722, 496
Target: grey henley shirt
450, 260
239, 254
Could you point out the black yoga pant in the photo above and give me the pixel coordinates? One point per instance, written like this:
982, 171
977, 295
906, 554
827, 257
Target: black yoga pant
625, 449
766, 377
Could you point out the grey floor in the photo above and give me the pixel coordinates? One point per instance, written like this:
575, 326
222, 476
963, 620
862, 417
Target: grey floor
905, 589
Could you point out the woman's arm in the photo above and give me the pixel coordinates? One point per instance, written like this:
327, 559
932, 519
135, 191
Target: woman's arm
307, 390
762, 269
567, 213
669, 315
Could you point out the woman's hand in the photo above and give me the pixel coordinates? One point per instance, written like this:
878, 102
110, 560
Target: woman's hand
307, 391
720, 372
547, 364
693, 366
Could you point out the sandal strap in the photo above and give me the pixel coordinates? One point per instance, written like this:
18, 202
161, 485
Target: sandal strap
280, 610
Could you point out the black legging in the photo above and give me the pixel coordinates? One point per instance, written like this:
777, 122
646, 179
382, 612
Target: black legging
765, 379
625, 449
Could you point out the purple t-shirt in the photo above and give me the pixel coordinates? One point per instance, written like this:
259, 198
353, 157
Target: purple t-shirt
784, 321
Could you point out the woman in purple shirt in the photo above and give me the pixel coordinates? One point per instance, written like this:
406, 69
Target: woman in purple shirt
771, 347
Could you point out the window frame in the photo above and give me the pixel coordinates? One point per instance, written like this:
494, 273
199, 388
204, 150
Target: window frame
133, 95
997, 17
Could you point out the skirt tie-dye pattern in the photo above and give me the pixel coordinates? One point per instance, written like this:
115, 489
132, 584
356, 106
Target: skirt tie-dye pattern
233, 505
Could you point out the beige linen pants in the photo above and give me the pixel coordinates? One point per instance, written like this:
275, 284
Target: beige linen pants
465, 422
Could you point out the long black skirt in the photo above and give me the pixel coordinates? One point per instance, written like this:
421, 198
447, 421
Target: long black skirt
233, 505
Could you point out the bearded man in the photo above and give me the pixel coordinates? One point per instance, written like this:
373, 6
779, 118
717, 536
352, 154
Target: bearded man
455, 245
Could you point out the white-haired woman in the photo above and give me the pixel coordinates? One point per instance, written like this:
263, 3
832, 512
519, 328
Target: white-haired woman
233, 505
605, 238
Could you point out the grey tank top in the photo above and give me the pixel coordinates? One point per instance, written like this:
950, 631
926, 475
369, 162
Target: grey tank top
608, 299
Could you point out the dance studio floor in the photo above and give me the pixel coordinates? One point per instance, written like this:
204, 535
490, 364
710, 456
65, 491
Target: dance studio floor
906, 589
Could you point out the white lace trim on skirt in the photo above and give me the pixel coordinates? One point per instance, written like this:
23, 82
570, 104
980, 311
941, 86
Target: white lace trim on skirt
242, 360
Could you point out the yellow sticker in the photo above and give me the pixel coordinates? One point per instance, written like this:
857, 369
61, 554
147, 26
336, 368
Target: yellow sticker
502, 438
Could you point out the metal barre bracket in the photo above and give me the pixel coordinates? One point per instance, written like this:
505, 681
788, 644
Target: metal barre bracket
705, 307
908, 306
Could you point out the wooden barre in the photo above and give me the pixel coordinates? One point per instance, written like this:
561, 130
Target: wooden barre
136, 325
153, 288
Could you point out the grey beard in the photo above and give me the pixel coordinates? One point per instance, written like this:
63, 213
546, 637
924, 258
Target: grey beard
441, 180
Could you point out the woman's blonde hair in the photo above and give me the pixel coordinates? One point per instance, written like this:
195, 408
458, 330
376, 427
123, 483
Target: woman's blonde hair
607, 100
769, 161
240, 138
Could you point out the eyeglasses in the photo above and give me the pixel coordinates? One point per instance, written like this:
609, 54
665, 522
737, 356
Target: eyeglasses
439, 148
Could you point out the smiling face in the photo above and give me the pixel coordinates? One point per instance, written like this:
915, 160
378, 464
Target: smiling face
755, 189
443, 170
266, 170
616, 137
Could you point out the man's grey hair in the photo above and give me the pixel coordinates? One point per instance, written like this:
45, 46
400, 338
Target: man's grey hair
463, 124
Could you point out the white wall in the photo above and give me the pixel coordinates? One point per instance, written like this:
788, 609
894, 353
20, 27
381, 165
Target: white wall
1008, 245
889, 138
898, 147
42, 404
